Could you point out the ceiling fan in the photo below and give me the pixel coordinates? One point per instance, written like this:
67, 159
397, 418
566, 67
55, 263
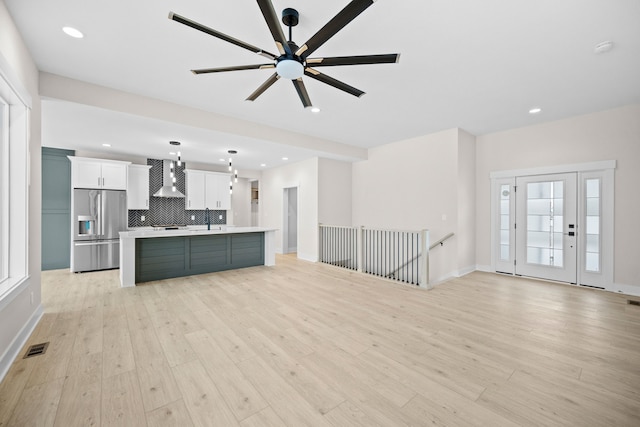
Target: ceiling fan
293, 61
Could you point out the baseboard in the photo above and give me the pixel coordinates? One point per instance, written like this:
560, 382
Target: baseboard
621, 288
18, 342
484, 268
466, 270
307, 257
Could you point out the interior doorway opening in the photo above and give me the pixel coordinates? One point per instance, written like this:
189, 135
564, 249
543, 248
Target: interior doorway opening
290, 220
255, 206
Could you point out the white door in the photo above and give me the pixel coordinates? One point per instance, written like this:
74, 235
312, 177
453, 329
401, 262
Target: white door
546, 227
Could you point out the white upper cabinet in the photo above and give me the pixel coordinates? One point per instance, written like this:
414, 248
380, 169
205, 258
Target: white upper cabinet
138, 187
217, 191
98, 173
207, 190
194, 190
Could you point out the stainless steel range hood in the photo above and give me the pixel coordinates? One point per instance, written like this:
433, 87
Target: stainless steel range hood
167, 189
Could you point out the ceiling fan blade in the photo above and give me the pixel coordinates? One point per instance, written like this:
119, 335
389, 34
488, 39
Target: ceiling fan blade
315, 74
264, 86
302, 92
193, 24
274, 26
346, 15
236, 68
354, 60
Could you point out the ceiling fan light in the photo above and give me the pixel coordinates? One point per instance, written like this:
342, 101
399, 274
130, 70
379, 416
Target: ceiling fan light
289, 69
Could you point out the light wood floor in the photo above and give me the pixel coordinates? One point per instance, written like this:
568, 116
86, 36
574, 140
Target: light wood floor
307, 344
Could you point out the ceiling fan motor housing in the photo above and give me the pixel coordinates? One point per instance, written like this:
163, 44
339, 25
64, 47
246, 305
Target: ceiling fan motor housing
290, 17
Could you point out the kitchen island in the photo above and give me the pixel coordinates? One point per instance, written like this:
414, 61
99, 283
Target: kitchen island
147, 254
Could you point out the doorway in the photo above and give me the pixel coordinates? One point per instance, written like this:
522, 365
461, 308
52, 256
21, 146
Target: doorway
290, 220
255, 207
546, 240
555, 226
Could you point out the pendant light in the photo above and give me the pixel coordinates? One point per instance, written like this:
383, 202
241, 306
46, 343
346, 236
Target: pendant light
231, 171
172, 169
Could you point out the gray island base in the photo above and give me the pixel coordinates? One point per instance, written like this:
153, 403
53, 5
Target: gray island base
147, 255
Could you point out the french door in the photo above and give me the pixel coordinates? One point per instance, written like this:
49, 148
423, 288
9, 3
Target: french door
555, 226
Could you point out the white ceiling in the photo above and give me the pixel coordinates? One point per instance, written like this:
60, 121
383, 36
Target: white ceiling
477, 65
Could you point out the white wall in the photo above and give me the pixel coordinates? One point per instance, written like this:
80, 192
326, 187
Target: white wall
15, 317
334, 192
413, 185
303, 175
240, 214
608, 135
466, 229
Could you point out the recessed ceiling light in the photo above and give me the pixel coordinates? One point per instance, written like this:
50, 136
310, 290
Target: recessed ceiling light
315, 110
106, 145
285, 158
73, 32
263, 164
535, 110
222, 160
172, 153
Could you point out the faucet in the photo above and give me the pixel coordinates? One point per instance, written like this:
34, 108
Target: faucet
207, 218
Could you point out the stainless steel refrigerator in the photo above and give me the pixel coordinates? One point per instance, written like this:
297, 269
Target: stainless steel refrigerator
97, 218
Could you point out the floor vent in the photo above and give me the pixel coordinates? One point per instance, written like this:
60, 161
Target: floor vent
36, 350
633, 302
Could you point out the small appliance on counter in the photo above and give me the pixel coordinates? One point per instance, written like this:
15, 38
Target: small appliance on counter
98, 217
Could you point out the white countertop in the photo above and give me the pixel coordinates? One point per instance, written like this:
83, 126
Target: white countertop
196, 230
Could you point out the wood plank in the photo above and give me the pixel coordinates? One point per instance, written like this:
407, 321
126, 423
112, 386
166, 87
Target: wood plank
174, 414
38, 405
265, 418
122, 401
117, 351
286, 402
201, 397
241, 396
79, 403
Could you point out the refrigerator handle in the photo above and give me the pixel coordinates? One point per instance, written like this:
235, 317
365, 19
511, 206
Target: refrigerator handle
102, 214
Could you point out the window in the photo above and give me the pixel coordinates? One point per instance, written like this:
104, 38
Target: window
4, 190
14, 182
592, 232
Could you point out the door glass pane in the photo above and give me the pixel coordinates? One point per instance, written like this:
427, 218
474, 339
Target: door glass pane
545, 210
505, 228
504, 252
592, 248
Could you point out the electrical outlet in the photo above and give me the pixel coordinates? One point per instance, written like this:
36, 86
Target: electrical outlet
31, 298
220, 217
142, 218
193, 217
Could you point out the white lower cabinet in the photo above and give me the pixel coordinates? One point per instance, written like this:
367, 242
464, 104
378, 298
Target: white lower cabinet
138, 187
207, 190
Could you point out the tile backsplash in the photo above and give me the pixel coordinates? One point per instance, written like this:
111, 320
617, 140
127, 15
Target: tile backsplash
169, 210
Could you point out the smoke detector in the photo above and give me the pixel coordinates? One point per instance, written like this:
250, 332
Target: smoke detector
603, 47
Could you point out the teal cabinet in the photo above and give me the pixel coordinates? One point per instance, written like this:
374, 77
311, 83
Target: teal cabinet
168, 257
